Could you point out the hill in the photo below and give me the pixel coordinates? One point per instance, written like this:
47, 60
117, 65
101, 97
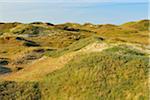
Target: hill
43, 61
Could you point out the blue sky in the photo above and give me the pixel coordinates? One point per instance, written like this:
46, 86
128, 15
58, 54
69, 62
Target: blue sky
79, 11
73, 1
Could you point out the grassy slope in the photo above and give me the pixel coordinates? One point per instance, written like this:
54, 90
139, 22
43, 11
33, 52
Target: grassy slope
53, 60
116, 73
19, 91
5, 27
128, 32
75, 46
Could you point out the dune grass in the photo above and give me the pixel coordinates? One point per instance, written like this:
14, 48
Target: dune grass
100, 76
75, 46
19, 91
117, 73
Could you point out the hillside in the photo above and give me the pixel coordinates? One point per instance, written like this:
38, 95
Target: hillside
71, 61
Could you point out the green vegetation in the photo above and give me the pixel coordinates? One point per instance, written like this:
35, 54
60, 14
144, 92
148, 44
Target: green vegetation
125, 50
74, 46
5, 27
100, 76
19, 91
142, 25
43, 61
28, 29
93, 76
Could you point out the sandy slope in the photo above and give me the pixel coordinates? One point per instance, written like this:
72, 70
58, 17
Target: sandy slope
41, 67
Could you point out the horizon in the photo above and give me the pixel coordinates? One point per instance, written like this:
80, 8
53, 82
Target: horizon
96, 12
73, 22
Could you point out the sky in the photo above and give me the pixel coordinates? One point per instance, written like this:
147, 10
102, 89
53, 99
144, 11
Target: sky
73, 1
78, 11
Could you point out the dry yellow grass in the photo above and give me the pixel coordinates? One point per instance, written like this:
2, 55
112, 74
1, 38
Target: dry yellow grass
41, 67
